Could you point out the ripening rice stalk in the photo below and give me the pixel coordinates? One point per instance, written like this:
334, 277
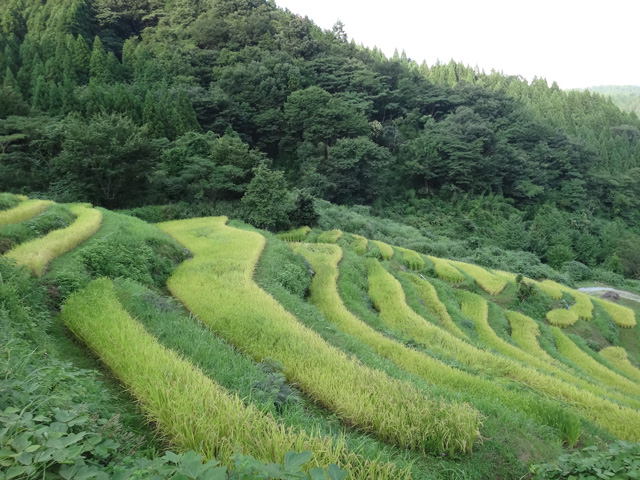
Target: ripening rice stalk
583, 307
570, 350
561, 317
186, 405
217, 286
525, 331
618, 357
38, 253
551, 288
430, 298
388, 297
386, 250
622, 316
412, 259
359, 244
490, 283
324, 260
446, 271
296, 235
330, 236
23, 211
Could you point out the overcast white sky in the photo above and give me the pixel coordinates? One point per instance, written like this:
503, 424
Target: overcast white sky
576, 43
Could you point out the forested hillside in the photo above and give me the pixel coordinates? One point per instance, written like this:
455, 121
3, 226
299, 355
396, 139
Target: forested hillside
626, 97
126, 104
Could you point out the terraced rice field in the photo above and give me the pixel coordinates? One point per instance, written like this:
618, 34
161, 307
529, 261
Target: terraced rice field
38, 253
446, 271
23, 211
490, 283
215, 286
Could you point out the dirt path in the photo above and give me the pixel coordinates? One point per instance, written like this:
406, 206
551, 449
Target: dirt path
601, 290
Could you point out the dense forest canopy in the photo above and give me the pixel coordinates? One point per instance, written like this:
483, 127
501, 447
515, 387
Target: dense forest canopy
159, 101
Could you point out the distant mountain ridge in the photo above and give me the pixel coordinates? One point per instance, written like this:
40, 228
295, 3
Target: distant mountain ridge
627, 97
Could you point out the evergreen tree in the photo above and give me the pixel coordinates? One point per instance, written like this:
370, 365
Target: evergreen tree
98, 64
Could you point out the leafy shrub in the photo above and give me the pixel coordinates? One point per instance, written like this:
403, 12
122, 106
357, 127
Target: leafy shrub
8, 200
620, 460
577, 271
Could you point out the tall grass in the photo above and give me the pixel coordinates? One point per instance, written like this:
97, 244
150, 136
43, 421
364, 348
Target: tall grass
622, 316
324, 294
23, 211
429, 296
411, 258
570, 350
217, 286
388, 297
562, 317
490, 283
38, 253
193, 411
296, 235
331, 236
386, 250
446, 271
359, 243
618, 357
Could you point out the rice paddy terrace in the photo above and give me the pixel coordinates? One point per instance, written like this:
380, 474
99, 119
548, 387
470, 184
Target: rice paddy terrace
379, 359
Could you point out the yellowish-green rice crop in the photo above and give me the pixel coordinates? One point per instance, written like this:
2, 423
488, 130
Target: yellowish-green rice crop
23, 211
583, 307
38, 253
570, 350
330, 236
388, 297
412, 259
490, 283
359, 244
525, 331
386, 250
551, 288
430, 298
446, 271
618, 357
562, 317
476, 309
188, 407
324, 294
622, 316
296, 235
217, 286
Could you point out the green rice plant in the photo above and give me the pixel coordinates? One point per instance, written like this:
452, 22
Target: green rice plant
359, 244
296, 235
38, 253
618, 357
324, 294
386, 250
490, 283
217, 286
331, 236
389, 299
570, 350
412, 259
446, 271
562, 317
24, 211
430, 298
188, 407
622, 316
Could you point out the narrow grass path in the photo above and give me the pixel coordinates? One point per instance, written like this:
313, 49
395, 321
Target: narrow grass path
324, 260
38, 253
195, 412
217, 286
23, 211
389, 298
